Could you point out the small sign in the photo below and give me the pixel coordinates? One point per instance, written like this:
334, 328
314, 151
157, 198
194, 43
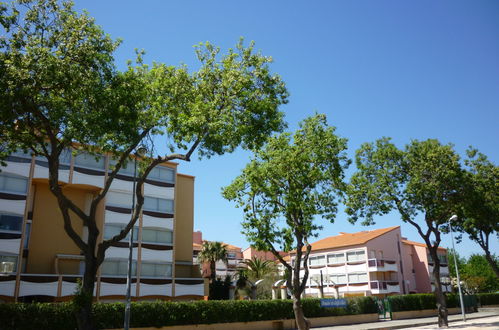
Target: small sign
333, 303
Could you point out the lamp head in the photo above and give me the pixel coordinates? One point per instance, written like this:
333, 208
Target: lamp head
453, 218
141, 151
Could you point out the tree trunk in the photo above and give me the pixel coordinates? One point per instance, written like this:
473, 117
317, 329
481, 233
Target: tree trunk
492, 262
301, 322
83, 299
213, 271
439, 295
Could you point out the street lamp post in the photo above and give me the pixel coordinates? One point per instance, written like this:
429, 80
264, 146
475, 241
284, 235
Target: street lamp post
139, 153
454, 218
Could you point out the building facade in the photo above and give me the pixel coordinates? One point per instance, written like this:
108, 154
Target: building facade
234, 258
41, 263
378, 262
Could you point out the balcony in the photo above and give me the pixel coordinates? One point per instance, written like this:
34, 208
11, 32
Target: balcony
382, 265
382, 287
62, 287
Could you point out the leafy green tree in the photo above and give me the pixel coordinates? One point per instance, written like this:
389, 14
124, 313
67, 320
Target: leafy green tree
259, 268
479, 275
290, 181
60, 89
210, 253
425, 179
264, 271
481, 220
452, 257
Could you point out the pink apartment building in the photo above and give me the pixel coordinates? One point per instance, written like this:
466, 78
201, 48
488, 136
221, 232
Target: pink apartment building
377, 262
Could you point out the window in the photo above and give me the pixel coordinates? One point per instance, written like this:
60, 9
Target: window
338, 258
315, 279
338, 278
152, 269
111, 230
126, 169
156, 235
119, 199
357, 278
442, 258
27, 234
317, 260
64, 157
13, 184
8, 264
117, 267
11, 222
87, 160
158, 204
231, 255
20, 153
356, 255
162, 173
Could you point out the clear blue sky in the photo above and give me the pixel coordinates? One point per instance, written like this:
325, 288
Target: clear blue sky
404, 69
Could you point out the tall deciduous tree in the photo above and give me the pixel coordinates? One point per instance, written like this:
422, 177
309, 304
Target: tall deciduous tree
290, 181
60, 88
481, 220
424, 179
211, 252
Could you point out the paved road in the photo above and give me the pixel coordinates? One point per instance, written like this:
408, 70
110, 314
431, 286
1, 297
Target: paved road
482, 323
482, 320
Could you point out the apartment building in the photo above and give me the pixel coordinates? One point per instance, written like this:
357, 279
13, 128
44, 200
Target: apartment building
39, 262
250, 253
378, 262
234, 258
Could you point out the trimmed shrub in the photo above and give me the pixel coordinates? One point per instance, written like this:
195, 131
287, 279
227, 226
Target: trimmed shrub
488, 298
411, 302
156, 314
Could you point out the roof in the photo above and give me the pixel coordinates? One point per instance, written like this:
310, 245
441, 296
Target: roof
406, 241
229, 247
345, 239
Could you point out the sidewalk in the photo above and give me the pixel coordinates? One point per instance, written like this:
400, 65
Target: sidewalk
480, 320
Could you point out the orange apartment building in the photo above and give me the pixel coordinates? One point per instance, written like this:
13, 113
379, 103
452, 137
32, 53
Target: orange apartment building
39, 262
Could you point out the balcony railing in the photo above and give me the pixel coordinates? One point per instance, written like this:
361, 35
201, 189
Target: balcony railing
378, 285
382, 265
385, 286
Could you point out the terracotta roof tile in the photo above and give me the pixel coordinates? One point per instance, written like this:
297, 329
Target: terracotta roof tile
228, 246
345, 239
406, 241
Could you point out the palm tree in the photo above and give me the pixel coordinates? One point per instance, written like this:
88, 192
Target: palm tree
211, 252
259, 268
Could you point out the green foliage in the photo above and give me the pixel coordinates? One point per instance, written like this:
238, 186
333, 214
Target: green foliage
156, 314
452, 257
60, 89
219, 289
479, 275
481, 203
420, 301
488, 298
423, 178
210, 253
259, 268
476, 272
292, 178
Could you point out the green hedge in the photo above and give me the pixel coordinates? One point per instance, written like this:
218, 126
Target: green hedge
420, 301
488, 298
156, 314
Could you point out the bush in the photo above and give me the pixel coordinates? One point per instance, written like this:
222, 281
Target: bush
488, 298
411, 302
156, 314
